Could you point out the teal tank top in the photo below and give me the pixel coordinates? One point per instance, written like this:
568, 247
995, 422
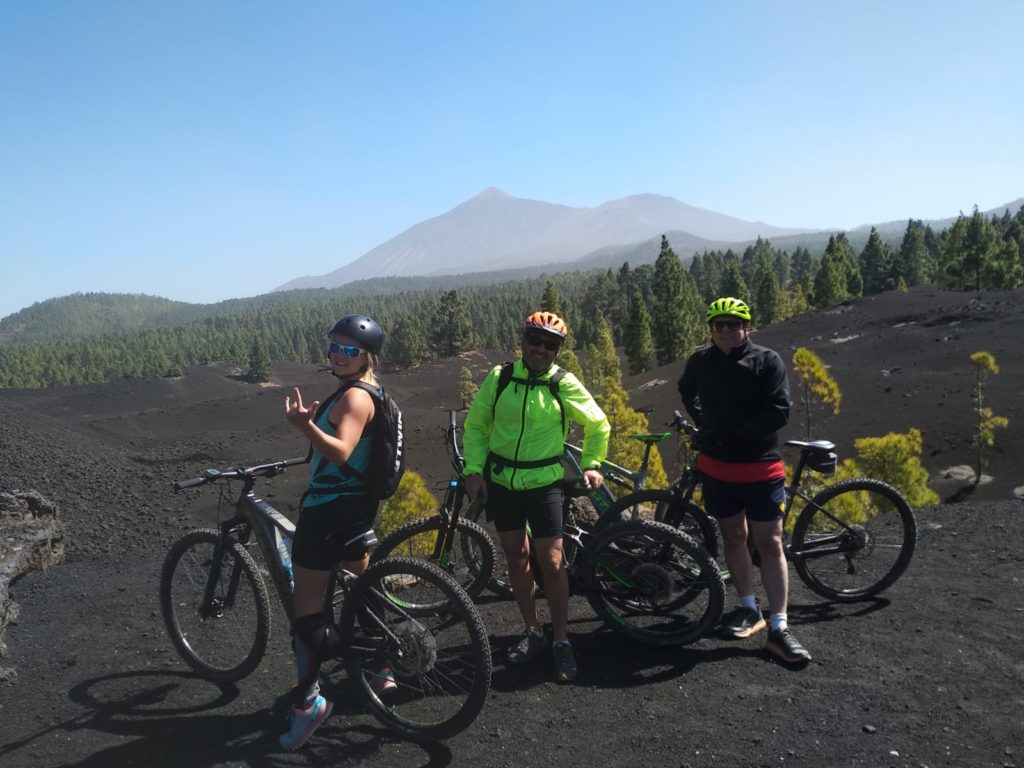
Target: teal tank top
328, 481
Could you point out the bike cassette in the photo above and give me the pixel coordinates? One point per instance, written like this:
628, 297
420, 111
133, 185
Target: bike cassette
652, 581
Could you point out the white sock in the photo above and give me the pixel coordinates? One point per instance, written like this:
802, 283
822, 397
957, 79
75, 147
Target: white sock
749, 602
779, 621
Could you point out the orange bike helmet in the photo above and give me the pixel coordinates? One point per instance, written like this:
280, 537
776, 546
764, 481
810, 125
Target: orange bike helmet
548, 322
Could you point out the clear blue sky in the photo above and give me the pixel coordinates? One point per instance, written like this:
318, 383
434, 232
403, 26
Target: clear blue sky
203, 151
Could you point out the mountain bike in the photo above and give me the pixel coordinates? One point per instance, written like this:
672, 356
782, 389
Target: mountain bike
645, 579
402, 613
850, 540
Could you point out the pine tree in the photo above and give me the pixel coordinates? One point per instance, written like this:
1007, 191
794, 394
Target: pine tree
877, 265
407, 343
467, 387
984, 439
452, 330
913, 262
259, 362
732, 283
667, 318
816, 384
604, 380
638, 343
769, 301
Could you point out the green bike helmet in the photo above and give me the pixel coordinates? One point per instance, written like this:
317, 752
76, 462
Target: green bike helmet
728, 306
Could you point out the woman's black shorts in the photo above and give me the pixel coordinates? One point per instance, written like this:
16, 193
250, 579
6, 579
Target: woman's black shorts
330, 533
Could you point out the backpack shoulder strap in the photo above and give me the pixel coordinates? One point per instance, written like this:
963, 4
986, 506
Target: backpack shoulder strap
504, 379
321, 410
554, 381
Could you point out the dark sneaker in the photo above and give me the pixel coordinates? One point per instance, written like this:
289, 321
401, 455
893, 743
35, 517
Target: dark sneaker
304, 722
782, 643
530, 644
565, 662
743, 622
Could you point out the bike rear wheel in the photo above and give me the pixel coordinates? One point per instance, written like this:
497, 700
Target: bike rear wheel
225, 639
469, 558
653, 583
853, 539
441, 659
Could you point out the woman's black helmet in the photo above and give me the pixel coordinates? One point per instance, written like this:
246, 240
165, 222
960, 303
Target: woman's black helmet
363, 330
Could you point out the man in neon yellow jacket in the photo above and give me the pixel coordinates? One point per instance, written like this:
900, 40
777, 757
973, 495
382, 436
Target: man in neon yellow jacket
514, 434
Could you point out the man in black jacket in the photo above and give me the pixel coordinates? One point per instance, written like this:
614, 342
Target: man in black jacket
737, 393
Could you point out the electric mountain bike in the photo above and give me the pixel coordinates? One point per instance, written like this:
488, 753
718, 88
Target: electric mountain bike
850, 540
450, 539
402, 613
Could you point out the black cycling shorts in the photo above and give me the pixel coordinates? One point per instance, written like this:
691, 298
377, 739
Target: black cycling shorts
763, 501
330, 533
540, 507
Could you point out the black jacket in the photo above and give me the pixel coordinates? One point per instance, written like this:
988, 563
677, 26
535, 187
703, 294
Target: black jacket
740, 401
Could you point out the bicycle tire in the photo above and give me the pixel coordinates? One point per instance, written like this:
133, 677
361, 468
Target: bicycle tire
662, 506
498, 584
229, 644
471, 558
854, 561
653, 583
441, 661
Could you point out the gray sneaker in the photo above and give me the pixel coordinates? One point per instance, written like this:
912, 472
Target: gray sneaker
782, 643
743, 622
530, 644
565, 662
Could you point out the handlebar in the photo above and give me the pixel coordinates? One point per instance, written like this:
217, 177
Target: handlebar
680, 424
455, 456
239, 473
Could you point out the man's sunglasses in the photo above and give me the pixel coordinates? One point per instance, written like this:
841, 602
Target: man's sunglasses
346, 349
551, 345
726, 325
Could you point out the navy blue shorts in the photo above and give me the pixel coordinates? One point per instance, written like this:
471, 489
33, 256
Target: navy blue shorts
540, 507
324, 534
763, 501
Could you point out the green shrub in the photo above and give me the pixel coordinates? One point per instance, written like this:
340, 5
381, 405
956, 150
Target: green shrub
411, 501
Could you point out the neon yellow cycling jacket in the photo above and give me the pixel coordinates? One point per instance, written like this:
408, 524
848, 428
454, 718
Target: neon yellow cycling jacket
526, 425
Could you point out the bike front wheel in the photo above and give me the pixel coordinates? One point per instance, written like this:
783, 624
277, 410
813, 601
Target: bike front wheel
662, 506
223, 638
853, 539
468, 558
653, 583
499, 583
441, 659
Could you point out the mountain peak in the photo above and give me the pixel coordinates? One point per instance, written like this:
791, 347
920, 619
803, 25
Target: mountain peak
491, 193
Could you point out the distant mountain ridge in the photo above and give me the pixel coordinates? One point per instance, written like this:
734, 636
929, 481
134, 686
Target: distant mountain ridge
494, 230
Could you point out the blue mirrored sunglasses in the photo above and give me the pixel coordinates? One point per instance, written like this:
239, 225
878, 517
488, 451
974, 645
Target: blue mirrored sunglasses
346, 349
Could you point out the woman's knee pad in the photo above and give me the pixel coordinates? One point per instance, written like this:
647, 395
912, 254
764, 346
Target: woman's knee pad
318, 633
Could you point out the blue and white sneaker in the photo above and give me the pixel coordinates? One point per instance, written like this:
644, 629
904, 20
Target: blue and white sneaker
304, 723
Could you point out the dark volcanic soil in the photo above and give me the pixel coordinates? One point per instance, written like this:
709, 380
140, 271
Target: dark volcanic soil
929, 674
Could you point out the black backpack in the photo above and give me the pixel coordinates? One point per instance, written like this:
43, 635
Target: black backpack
387, 459
505, 378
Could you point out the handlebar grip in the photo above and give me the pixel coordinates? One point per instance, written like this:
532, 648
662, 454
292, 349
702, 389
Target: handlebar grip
181, 485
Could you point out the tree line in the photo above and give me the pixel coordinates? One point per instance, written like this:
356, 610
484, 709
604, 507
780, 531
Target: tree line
654, 311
